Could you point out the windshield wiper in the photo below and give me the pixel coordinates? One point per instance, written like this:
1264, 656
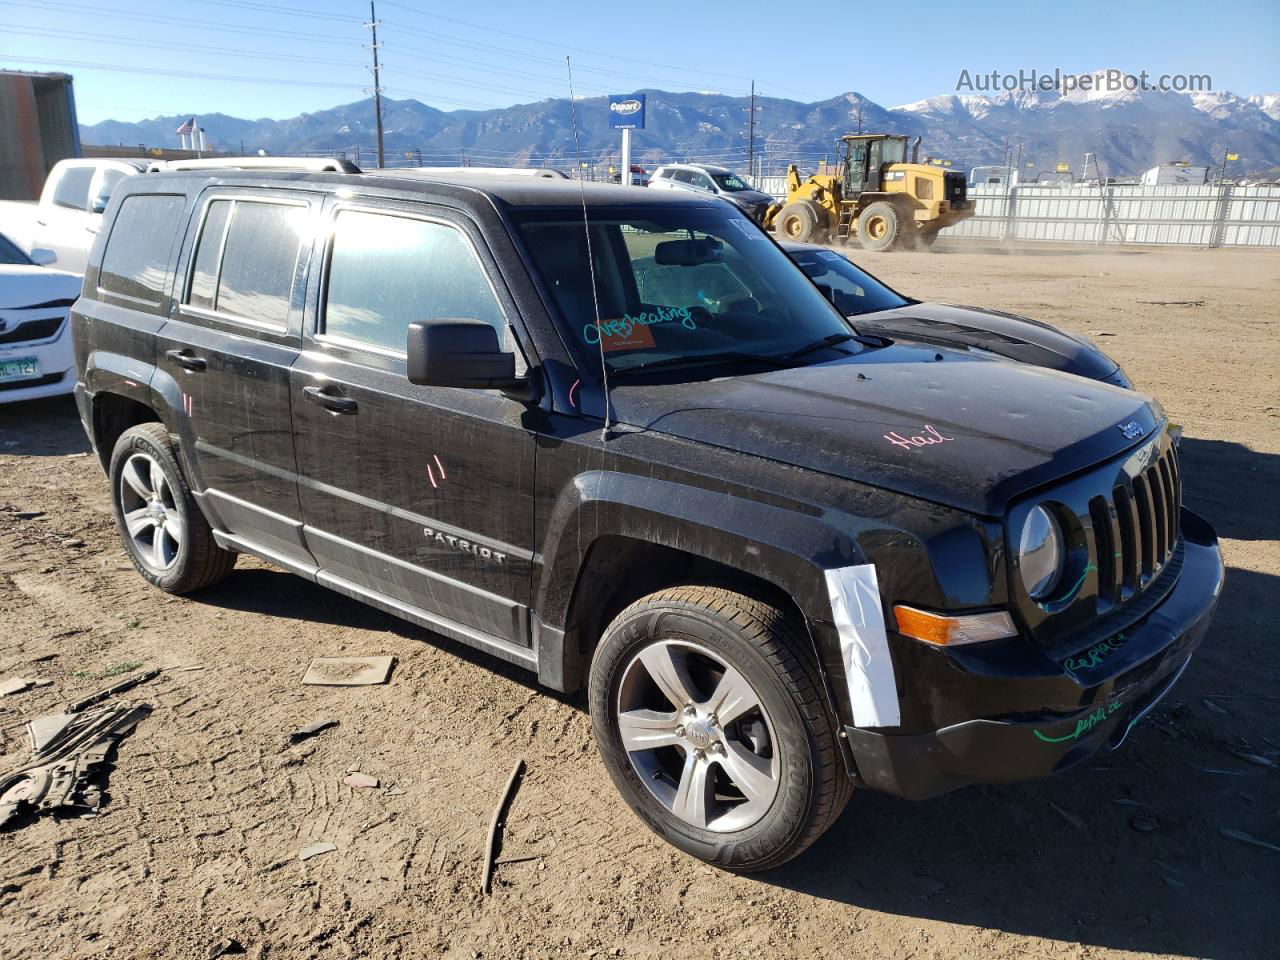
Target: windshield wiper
698, 359
829, 341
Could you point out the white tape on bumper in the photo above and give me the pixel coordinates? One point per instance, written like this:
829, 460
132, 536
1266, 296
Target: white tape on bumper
859, 618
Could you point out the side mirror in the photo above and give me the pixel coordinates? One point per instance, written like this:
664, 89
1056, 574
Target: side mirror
99, 204
43, 257
463, 353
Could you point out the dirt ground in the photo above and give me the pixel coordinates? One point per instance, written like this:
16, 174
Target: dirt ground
209, 808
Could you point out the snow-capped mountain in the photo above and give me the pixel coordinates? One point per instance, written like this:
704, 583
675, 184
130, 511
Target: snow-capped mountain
1128, 130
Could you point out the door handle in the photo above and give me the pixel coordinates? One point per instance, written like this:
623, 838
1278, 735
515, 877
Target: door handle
184, 358
330, 401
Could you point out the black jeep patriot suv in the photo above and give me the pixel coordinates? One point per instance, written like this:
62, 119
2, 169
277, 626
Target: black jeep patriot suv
618, 438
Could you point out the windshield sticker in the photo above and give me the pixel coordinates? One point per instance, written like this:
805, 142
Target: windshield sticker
930, 436
1084, 724
630, 332
830, 255
748, 231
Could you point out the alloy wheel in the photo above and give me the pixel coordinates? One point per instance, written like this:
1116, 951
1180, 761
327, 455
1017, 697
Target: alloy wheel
155, 524
698, 735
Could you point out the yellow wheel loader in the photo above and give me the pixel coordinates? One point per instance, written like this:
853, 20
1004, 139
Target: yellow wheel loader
874, 195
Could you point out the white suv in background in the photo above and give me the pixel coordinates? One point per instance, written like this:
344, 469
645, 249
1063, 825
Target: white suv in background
718, 181
35, 345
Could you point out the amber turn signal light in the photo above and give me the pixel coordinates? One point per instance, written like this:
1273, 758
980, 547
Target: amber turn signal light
946, 631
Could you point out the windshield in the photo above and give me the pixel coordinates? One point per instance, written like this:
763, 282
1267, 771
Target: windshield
695, 284
9, 252
729, 182
849, 289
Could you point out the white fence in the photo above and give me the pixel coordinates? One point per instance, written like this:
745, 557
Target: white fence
1205, 216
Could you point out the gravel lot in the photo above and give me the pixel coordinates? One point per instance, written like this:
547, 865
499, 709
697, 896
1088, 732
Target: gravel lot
208, 807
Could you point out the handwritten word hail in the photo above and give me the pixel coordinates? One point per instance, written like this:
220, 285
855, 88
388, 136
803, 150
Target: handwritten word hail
931, 436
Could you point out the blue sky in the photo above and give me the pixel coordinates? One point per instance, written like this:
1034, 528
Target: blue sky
253, 58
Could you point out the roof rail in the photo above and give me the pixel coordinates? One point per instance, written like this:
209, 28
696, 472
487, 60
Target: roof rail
308, 164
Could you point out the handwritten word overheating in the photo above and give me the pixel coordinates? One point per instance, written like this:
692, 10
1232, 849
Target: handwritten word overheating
623, 326
930, 436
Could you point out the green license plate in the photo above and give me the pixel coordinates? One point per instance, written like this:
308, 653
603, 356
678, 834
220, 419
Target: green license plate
19, 368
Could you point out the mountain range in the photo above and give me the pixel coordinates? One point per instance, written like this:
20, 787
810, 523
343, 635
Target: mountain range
1129, 131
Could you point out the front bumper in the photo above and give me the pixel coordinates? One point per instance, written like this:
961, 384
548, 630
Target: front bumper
1111, 692
57, 363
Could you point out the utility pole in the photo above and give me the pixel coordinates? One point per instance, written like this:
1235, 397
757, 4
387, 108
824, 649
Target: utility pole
377, 82
859, 115
751, 133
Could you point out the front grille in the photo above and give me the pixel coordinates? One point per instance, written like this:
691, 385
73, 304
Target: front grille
41, 329
1136, 528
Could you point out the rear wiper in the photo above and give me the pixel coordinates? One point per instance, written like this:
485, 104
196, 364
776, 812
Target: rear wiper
698, 359
830, 341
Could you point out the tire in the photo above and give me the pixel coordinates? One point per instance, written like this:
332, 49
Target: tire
800, 222
759, 730
880, 226
171, 543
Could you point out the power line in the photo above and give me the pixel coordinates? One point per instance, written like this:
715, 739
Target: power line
232, 78
116, 40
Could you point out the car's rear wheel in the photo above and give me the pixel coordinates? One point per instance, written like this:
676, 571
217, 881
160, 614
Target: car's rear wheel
711, 720
164, 532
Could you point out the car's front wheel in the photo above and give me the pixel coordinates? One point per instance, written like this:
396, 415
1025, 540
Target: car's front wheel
712, 722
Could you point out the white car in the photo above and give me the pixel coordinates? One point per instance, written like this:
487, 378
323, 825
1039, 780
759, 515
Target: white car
65, 219
35, 338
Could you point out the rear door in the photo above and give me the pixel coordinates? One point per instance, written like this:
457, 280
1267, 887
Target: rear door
232, 336
421, 496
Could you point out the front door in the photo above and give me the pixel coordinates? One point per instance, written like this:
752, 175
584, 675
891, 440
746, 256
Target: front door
414, 497
229, 345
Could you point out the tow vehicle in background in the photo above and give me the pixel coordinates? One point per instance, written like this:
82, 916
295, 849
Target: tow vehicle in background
876, 309
873, 195
618, 438
35, 342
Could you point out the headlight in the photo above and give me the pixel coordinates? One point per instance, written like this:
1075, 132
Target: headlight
1040, 553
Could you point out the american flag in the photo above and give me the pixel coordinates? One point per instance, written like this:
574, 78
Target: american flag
188, 127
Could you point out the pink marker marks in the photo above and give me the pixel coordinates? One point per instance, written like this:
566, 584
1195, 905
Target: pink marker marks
431, 473
572, 389
929, 437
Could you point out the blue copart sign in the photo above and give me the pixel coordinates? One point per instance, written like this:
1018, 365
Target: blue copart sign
626, 111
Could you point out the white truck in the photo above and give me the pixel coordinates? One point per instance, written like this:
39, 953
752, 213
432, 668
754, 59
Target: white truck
65, 219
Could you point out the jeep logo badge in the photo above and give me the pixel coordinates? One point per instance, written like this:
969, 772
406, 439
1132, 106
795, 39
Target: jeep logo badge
1131, 430
625, 108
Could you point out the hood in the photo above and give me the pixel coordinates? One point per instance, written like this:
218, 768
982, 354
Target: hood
1018, 338
748, 198
945, 426
27, 286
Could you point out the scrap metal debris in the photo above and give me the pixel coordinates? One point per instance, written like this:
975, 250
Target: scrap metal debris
15, 685
1247, 838
348, 671
491, 844
310, 730
316, 850
66, 751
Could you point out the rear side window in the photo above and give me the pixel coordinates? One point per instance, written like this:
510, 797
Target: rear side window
72, 189
682, 176
136, 261
246, 258
387, 271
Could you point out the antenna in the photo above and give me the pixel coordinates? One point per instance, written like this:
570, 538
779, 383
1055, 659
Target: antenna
591, 263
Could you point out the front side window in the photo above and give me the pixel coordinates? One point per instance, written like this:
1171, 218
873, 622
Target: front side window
387, 271
72, 190
245, 259
136, 261
702, 180
677, 286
